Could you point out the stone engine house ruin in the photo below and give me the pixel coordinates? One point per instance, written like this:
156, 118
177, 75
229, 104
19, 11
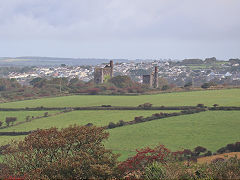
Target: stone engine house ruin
151, 80
103, 74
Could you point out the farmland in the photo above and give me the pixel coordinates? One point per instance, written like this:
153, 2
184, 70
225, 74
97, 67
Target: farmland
98, 118
21, 115
211, 129
227, 97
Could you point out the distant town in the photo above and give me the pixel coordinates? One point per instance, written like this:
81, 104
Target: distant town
196, 71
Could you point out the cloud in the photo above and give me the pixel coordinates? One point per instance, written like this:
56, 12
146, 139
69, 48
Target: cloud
121, 21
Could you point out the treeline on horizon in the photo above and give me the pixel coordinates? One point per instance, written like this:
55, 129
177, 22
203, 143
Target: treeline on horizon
11, 89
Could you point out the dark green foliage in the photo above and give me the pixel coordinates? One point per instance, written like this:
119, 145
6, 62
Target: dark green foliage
198, 150
208, 85
235, 147
189, 84
10, 120
27, 118
122, 81
111, 125
165, 87
121, 123
46, 114
200, 105
145, 105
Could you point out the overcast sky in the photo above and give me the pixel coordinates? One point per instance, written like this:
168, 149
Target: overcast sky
120, 28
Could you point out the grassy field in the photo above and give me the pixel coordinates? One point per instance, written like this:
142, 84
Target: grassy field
227, 97
98, 118
212, 130
21, 115
7, 139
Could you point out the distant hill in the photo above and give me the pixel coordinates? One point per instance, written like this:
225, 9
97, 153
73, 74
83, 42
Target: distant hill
52, 61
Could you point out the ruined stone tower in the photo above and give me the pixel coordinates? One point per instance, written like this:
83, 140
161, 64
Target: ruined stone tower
148, 80
155, 79
103, 74
151, 80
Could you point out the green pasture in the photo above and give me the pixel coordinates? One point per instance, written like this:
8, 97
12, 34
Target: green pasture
21, 115
7, 139
212, 129
98, 118
227, 97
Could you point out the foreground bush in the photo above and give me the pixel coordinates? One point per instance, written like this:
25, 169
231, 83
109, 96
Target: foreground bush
134, 166
226, 169
72, 153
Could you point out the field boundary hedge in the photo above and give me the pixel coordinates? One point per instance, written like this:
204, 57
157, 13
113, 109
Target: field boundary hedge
15, 133
155, 116
109, 107
121, 123
34, 118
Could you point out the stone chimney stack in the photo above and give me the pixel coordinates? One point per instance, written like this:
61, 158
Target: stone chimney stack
111, 65
155, 81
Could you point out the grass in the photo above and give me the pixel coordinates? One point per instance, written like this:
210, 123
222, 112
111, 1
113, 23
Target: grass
7, 139
227, 97
212, 130
21, 115
98, 118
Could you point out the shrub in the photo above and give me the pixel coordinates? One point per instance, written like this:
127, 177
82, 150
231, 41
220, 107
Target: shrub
165, 87
189, 84
111, 125
138, 119
145, 157
155, 171
122, 81
206, 85
106, 106
230, 148
93, 91
122, 123
3, 148
200, 105
27, 118
187, 153
76, 152
1, 123
145, 105
208, 153
10, 120
89, 124
46, 114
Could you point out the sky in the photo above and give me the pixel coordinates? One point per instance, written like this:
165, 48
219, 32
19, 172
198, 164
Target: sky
130, 29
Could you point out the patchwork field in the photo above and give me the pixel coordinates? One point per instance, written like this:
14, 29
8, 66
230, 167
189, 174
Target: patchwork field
21, 115
227, 97
211, 129
98, 118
